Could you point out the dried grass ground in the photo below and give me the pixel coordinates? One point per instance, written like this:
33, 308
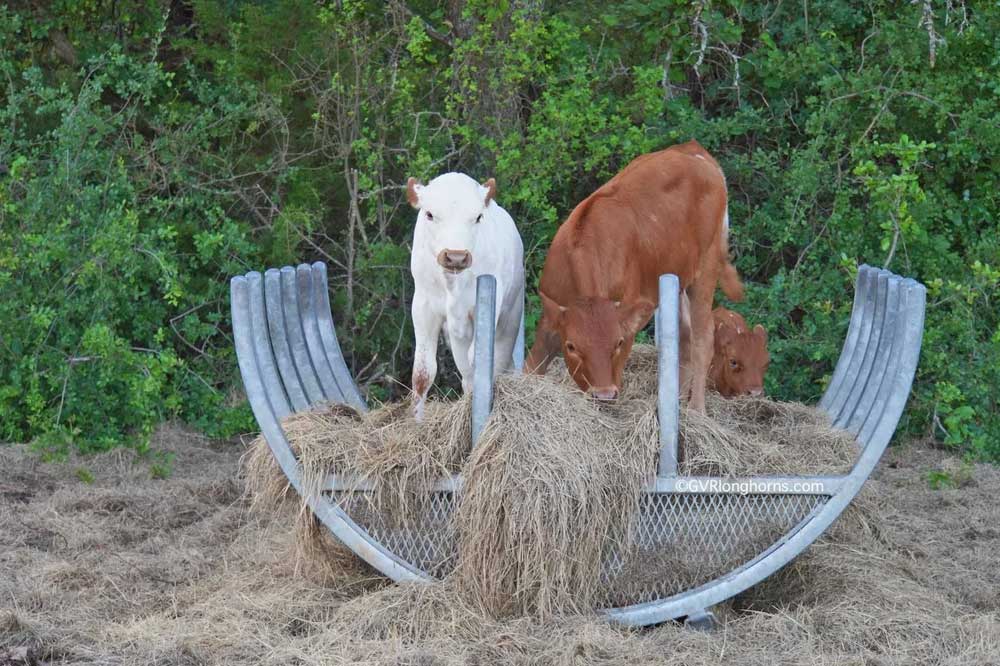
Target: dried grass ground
131, 570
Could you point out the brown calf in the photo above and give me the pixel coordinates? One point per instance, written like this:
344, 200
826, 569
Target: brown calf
741, 357
666, 212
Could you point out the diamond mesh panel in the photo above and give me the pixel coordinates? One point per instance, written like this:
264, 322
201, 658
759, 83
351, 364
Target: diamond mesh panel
423, 537
679, 541
682, 541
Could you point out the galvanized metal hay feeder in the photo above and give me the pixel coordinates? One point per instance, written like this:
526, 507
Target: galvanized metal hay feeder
290, 359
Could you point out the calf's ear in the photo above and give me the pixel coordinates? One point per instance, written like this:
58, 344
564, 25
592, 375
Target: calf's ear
634, 316
760, 332
552, 311
413, 188
489, 189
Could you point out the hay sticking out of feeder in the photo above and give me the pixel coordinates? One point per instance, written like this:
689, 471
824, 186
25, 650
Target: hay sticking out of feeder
554, 486
401, 457
551, 483
757, 436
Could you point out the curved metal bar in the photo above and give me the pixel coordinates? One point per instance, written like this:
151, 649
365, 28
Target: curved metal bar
668, 384
892, 397
482, 367
851, 341
310, 328
262, 347
871, 351
297, 338
279, 341
910, 332
873, 386
328, 334
868, 283
332, 516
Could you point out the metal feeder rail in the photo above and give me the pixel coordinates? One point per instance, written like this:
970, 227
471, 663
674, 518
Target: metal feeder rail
290, 360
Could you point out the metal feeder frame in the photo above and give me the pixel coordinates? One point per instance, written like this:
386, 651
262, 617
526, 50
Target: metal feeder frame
290, 361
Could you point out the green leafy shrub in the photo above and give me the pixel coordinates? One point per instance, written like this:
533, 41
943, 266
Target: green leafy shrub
113, 267
155, 150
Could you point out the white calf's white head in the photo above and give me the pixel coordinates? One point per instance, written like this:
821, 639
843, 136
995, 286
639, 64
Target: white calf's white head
452, 208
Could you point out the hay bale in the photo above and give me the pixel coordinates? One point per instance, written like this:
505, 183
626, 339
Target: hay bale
551, 485
546, 521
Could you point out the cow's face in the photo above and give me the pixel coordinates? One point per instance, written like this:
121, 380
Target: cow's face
451, 210
740, 360
597, 336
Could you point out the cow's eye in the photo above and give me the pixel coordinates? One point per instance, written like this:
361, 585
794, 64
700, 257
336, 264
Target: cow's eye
479, 219
734, 364
618, 345
429, 216
570, 347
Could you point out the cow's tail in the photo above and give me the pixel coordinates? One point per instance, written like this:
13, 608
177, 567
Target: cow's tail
729, 279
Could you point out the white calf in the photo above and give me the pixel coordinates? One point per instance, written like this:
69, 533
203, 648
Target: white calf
461, 233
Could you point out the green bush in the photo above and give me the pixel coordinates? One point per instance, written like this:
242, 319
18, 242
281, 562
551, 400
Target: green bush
155, 149
114, 257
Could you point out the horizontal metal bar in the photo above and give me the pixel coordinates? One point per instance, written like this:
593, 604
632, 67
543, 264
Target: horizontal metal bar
686, 485
352, 484
747, 485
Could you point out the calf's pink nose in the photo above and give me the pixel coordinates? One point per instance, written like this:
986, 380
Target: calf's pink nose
757, 392
604, 392
455, 260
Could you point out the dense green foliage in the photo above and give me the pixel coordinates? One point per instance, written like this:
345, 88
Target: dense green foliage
151, 149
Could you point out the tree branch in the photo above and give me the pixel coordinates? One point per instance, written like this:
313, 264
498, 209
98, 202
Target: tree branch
431, 31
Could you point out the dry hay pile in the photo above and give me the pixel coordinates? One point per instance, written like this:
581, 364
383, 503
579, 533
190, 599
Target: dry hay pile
550, 486
131, 570
552, 500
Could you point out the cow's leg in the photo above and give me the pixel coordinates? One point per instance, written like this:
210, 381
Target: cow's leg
702, 336
461, 337
547, 346
685, 344
503, 347
503, 354
427, 323
508, 324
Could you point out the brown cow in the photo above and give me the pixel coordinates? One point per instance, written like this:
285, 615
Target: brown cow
666, 212
741, 357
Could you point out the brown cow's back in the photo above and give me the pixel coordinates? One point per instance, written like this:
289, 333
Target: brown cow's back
619, 240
